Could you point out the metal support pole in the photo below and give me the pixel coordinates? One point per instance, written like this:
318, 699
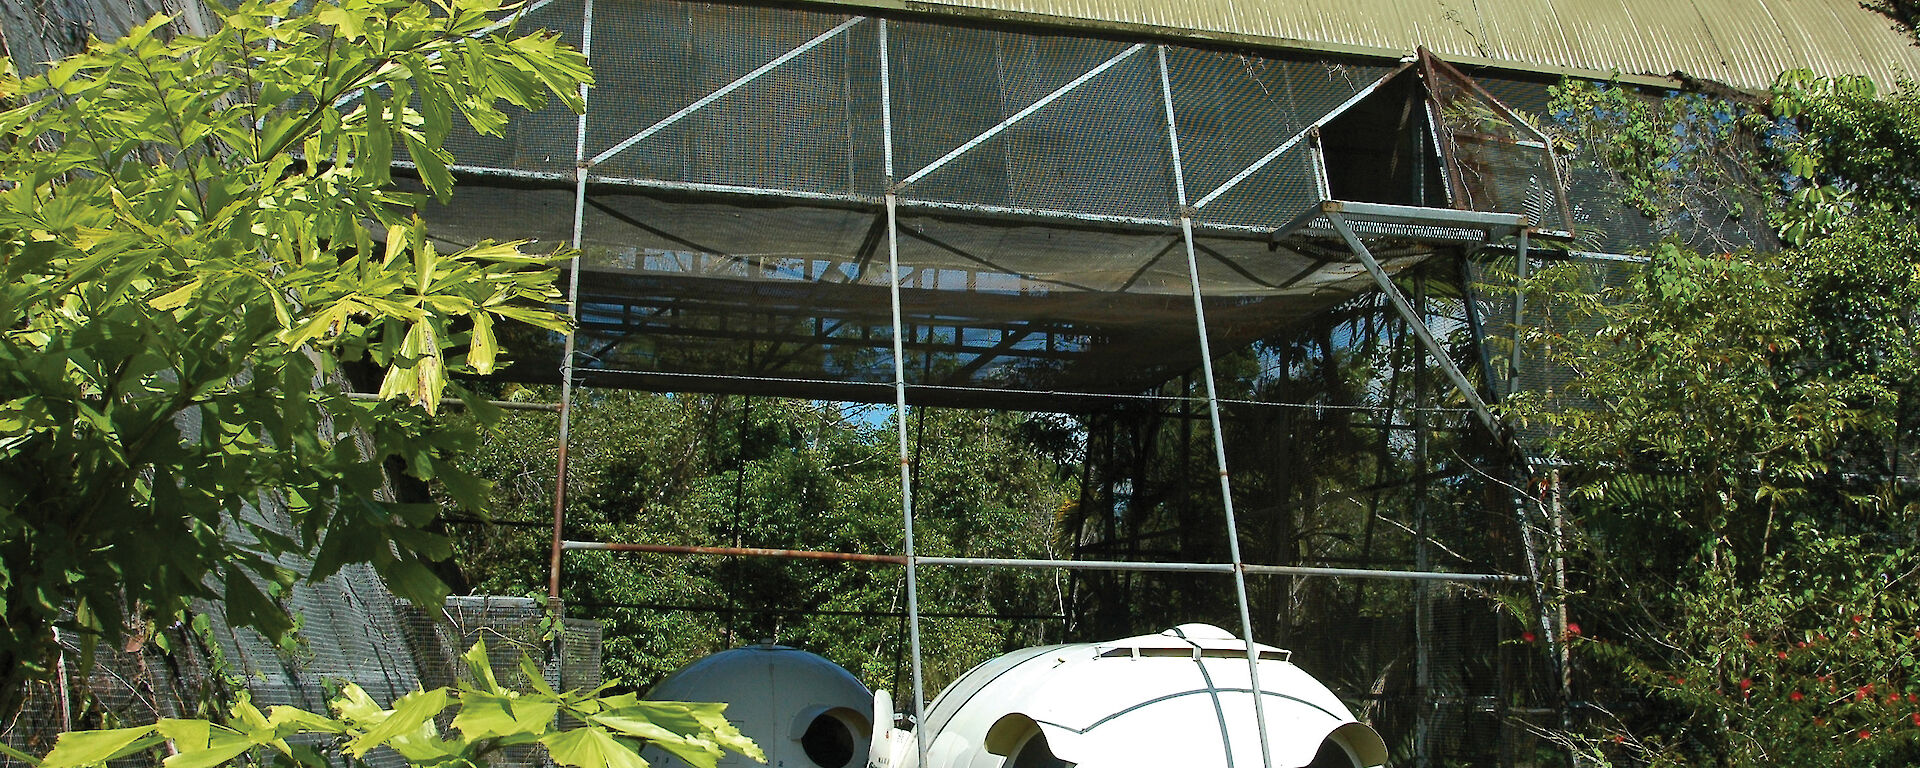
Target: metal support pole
1422, 560
1414, 320
1213, 416
1067, 565
1470, 300
1558, 512
573, 316
1521, 264
900, 399
554, 609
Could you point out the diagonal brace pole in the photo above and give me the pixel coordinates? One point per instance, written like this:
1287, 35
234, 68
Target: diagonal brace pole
1416, 322
724, 90
1296, 139
1021, 115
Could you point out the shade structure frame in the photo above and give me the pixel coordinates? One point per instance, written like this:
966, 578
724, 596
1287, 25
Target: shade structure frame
1185, 224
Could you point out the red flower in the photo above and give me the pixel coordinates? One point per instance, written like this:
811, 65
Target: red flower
1856, 618
1893, 698
1913, 698
1916, 718
1745, 683
1796, 696
1527, 637
1864, 733
1782, 654
1572, 628
1619, 739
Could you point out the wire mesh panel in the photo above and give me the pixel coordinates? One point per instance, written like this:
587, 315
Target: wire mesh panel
1709, 216
1538, 375
955, 90
1040, 308
1499, 163
1345, 450
783, 292
1234, 110
810, 123
540, 142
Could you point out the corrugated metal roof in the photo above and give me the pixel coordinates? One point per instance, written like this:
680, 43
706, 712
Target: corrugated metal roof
1743, 43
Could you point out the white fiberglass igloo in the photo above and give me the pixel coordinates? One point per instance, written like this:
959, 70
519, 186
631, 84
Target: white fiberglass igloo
1179, 698
803, 711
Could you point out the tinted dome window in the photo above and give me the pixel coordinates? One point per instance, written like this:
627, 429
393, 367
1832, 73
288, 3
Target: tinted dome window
1036, 754
828, 742
1331, 756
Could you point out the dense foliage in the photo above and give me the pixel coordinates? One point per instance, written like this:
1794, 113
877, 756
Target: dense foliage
764, 472
196, 236
1744, 456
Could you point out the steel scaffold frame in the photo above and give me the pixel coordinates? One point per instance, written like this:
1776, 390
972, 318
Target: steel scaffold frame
1339, 215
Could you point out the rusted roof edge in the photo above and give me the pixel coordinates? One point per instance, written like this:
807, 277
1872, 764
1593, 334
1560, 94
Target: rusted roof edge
1182, 34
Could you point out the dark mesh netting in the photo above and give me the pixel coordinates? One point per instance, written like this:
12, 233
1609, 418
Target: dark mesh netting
734, 234
811, 124
1535, 374
539, 143
702, 294
1710, 216
1242, 123
1503, 164
1346, 450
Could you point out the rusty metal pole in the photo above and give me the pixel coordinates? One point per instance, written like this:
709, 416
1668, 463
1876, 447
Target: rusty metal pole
573, 315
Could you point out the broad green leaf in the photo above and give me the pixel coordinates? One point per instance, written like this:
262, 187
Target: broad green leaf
283, 718
485, 715
432, 164
78, 748
415, 582
483, 348
409, 713
694, 721
376, 157
594, 748
700, 754
20, 756
426, 259
346, 23
637, 726
535, 675
202, 744
355, 706
480, 669
177, 297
